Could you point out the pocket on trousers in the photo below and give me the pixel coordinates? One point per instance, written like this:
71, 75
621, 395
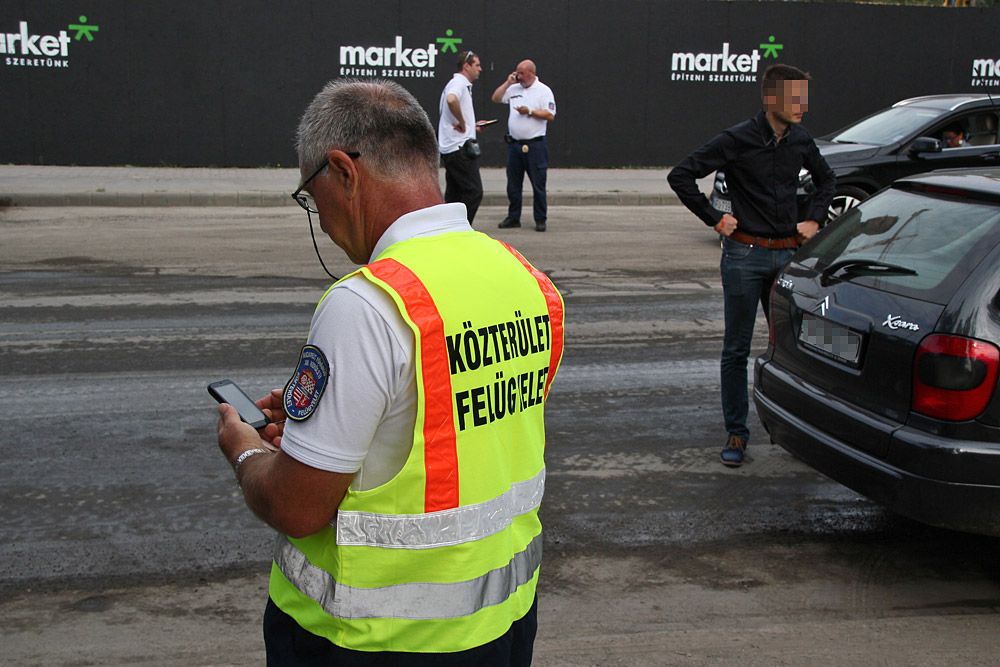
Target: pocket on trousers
734, 250
731, 266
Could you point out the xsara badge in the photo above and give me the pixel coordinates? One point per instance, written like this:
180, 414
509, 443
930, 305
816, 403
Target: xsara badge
303, 391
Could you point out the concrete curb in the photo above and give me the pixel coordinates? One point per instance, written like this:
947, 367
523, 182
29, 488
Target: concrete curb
250, 199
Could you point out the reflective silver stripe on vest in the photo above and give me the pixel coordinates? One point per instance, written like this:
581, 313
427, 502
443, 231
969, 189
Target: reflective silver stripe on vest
415, 601
444, 528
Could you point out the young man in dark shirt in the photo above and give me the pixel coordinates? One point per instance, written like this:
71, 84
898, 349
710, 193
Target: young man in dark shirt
761, 158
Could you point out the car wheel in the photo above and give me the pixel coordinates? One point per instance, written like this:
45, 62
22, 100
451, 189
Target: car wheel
846, 198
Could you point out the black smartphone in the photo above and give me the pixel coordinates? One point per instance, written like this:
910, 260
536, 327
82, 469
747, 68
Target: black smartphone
227, 391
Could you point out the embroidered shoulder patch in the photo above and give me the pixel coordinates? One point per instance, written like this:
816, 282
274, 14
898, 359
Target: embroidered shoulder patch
303, 391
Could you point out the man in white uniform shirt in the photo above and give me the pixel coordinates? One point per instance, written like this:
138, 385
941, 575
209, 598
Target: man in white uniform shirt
456, 127
369, 165
532, 108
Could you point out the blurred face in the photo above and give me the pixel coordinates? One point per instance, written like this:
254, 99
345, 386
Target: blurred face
952, 139
472, 69
789, 102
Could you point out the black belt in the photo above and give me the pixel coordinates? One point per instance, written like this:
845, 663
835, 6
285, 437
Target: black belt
530, 141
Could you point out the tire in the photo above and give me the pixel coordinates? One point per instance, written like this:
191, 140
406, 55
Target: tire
846, 198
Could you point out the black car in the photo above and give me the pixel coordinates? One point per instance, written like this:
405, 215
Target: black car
884, 350
905, 139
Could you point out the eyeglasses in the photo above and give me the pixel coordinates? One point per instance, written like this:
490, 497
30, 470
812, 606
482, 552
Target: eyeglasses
468, 58
304, 199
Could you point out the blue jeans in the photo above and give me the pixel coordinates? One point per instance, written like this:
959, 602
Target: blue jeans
747, 275
536, 163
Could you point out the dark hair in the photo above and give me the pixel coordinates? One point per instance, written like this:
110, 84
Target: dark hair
463, 58
956, 128
777, 73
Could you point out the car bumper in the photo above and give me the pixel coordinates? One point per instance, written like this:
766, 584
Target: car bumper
936, 501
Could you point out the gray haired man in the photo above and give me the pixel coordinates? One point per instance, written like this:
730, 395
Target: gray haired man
393, 548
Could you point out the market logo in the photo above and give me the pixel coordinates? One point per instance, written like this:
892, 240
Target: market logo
396, 61
27, 49
985, 73
723, 66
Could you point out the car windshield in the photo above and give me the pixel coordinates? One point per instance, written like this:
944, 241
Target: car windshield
907, 243
887, 127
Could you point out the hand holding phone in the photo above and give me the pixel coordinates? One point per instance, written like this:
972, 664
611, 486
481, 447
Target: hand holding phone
484, 123
227, 391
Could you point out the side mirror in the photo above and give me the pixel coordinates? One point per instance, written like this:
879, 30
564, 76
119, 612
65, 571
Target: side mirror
924, 145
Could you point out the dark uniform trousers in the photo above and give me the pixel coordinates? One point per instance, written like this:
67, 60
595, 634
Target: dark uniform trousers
462, 181
534, 162
289, 645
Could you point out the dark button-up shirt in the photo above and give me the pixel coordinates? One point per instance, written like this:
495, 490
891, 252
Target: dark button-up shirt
762, 175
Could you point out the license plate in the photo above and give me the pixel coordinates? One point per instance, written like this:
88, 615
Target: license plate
830, 339
720, 204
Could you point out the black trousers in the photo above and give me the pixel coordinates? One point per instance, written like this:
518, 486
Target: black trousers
462, 181
289, 645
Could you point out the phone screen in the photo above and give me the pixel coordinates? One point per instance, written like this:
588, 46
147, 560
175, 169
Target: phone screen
227, 391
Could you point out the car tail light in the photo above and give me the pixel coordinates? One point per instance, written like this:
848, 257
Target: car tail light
954, 377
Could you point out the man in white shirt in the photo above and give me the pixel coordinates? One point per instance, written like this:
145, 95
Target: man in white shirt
532, 108
365, 419
457, 126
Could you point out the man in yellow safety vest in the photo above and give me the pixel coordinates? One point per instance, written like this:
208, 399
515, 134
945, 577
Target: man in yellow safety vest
409, 468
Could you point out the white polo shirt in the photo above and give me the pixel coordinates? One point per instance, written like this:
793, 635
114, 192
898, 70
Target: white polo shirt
537, 96
450, 139
364, 420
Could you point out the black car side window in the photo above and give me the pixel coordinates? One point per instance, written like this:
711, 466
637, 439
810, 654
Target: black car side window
982, 129
978, 129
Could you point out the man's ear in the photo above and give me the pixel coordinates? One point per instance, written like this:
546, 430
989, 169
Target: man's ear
344, 172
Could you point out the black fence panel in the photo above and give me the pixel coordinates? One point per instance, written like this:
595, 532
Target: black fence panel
637, 82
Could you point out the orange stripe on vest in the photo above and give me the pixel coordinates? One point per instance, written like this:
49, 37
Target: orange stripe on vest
440, 447
555, 307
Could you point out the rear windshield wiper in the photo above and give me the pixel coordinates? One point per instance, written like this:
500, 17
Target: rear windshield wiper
871, 266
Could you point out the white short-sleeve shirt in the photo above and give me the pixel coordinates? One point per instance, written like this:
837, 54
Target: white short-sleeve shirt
450, 139
537, 96
365, 418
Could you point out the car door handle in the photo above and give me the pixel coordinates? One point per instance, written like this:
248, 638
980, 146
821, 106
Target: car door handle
995, 155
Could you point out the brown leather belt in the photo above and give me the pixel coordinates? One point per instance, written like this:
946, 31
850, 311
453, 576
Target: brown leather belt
763, 241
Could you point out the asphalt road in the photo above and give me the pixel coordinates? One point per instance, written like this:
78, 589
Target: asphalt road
125, 540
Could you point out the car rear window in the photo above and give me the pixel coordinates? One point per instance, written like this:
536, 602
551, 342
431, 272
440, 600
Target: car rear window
940, 239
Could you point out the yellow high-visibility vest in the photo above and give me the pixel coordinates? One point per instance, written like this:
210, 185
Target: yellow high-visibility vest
445, 556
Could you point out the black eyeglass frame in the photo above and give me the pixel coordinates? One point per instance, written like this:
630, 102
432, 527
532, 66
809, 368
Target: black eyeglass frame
304, 200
